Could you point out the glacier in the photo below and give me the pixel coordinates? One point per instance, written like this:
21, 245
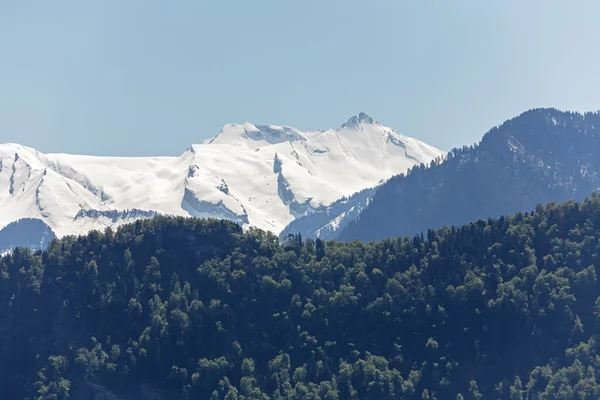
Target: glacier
262, 176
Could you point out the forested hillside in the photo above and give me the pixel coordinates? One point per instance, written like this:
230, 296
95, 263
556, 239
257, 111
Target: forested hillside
540, 156
193, 309
27, 232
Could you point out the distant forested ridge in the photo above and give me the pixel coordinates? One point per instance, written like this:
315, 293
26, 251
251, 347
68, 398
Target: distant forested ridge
26, 232
540, 156
503, 308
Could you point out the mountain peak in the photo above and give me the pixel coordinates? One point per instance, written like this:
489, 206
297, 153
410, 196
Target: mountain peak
356, 120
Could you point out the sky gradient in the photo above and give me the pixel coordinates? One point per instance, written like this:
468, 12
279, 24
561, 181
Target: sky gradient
147, 77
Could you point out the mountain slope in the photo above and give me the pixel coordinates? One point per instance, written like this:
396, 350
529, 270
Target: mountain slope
542, 155
182, 308
328, 221
30, 233
263, 176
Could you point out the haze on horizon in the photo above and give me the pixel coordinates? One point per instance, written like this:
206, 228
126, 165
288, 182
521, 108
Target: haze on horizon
143, 78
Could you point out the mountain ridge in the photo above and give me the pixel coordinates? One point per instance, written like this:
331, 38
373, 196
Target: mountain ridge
27, 232
539, 156
263, 176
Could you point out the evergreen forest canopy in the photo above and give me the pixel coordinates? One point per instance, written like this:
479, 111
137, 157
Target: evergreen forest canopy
540, 156
507, 308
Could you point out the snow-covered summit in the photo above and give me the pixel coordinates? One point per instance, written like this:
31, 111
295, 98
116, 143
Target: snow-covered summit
356, 120
257, 175
247, 134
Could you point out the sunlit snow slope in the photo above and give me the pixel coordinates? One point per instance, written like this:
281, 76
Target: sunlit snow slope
258, 175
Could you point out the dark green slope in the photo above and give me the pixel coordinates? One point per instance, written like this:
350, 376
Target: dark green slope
540, 156
498, 309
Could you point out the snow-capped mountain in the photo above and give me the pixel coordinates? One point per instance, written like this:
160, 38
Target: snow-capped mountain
257, 175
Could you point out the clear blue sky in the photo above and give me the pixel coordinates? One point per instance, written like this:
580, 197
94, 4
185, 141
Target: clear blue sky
146, 77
